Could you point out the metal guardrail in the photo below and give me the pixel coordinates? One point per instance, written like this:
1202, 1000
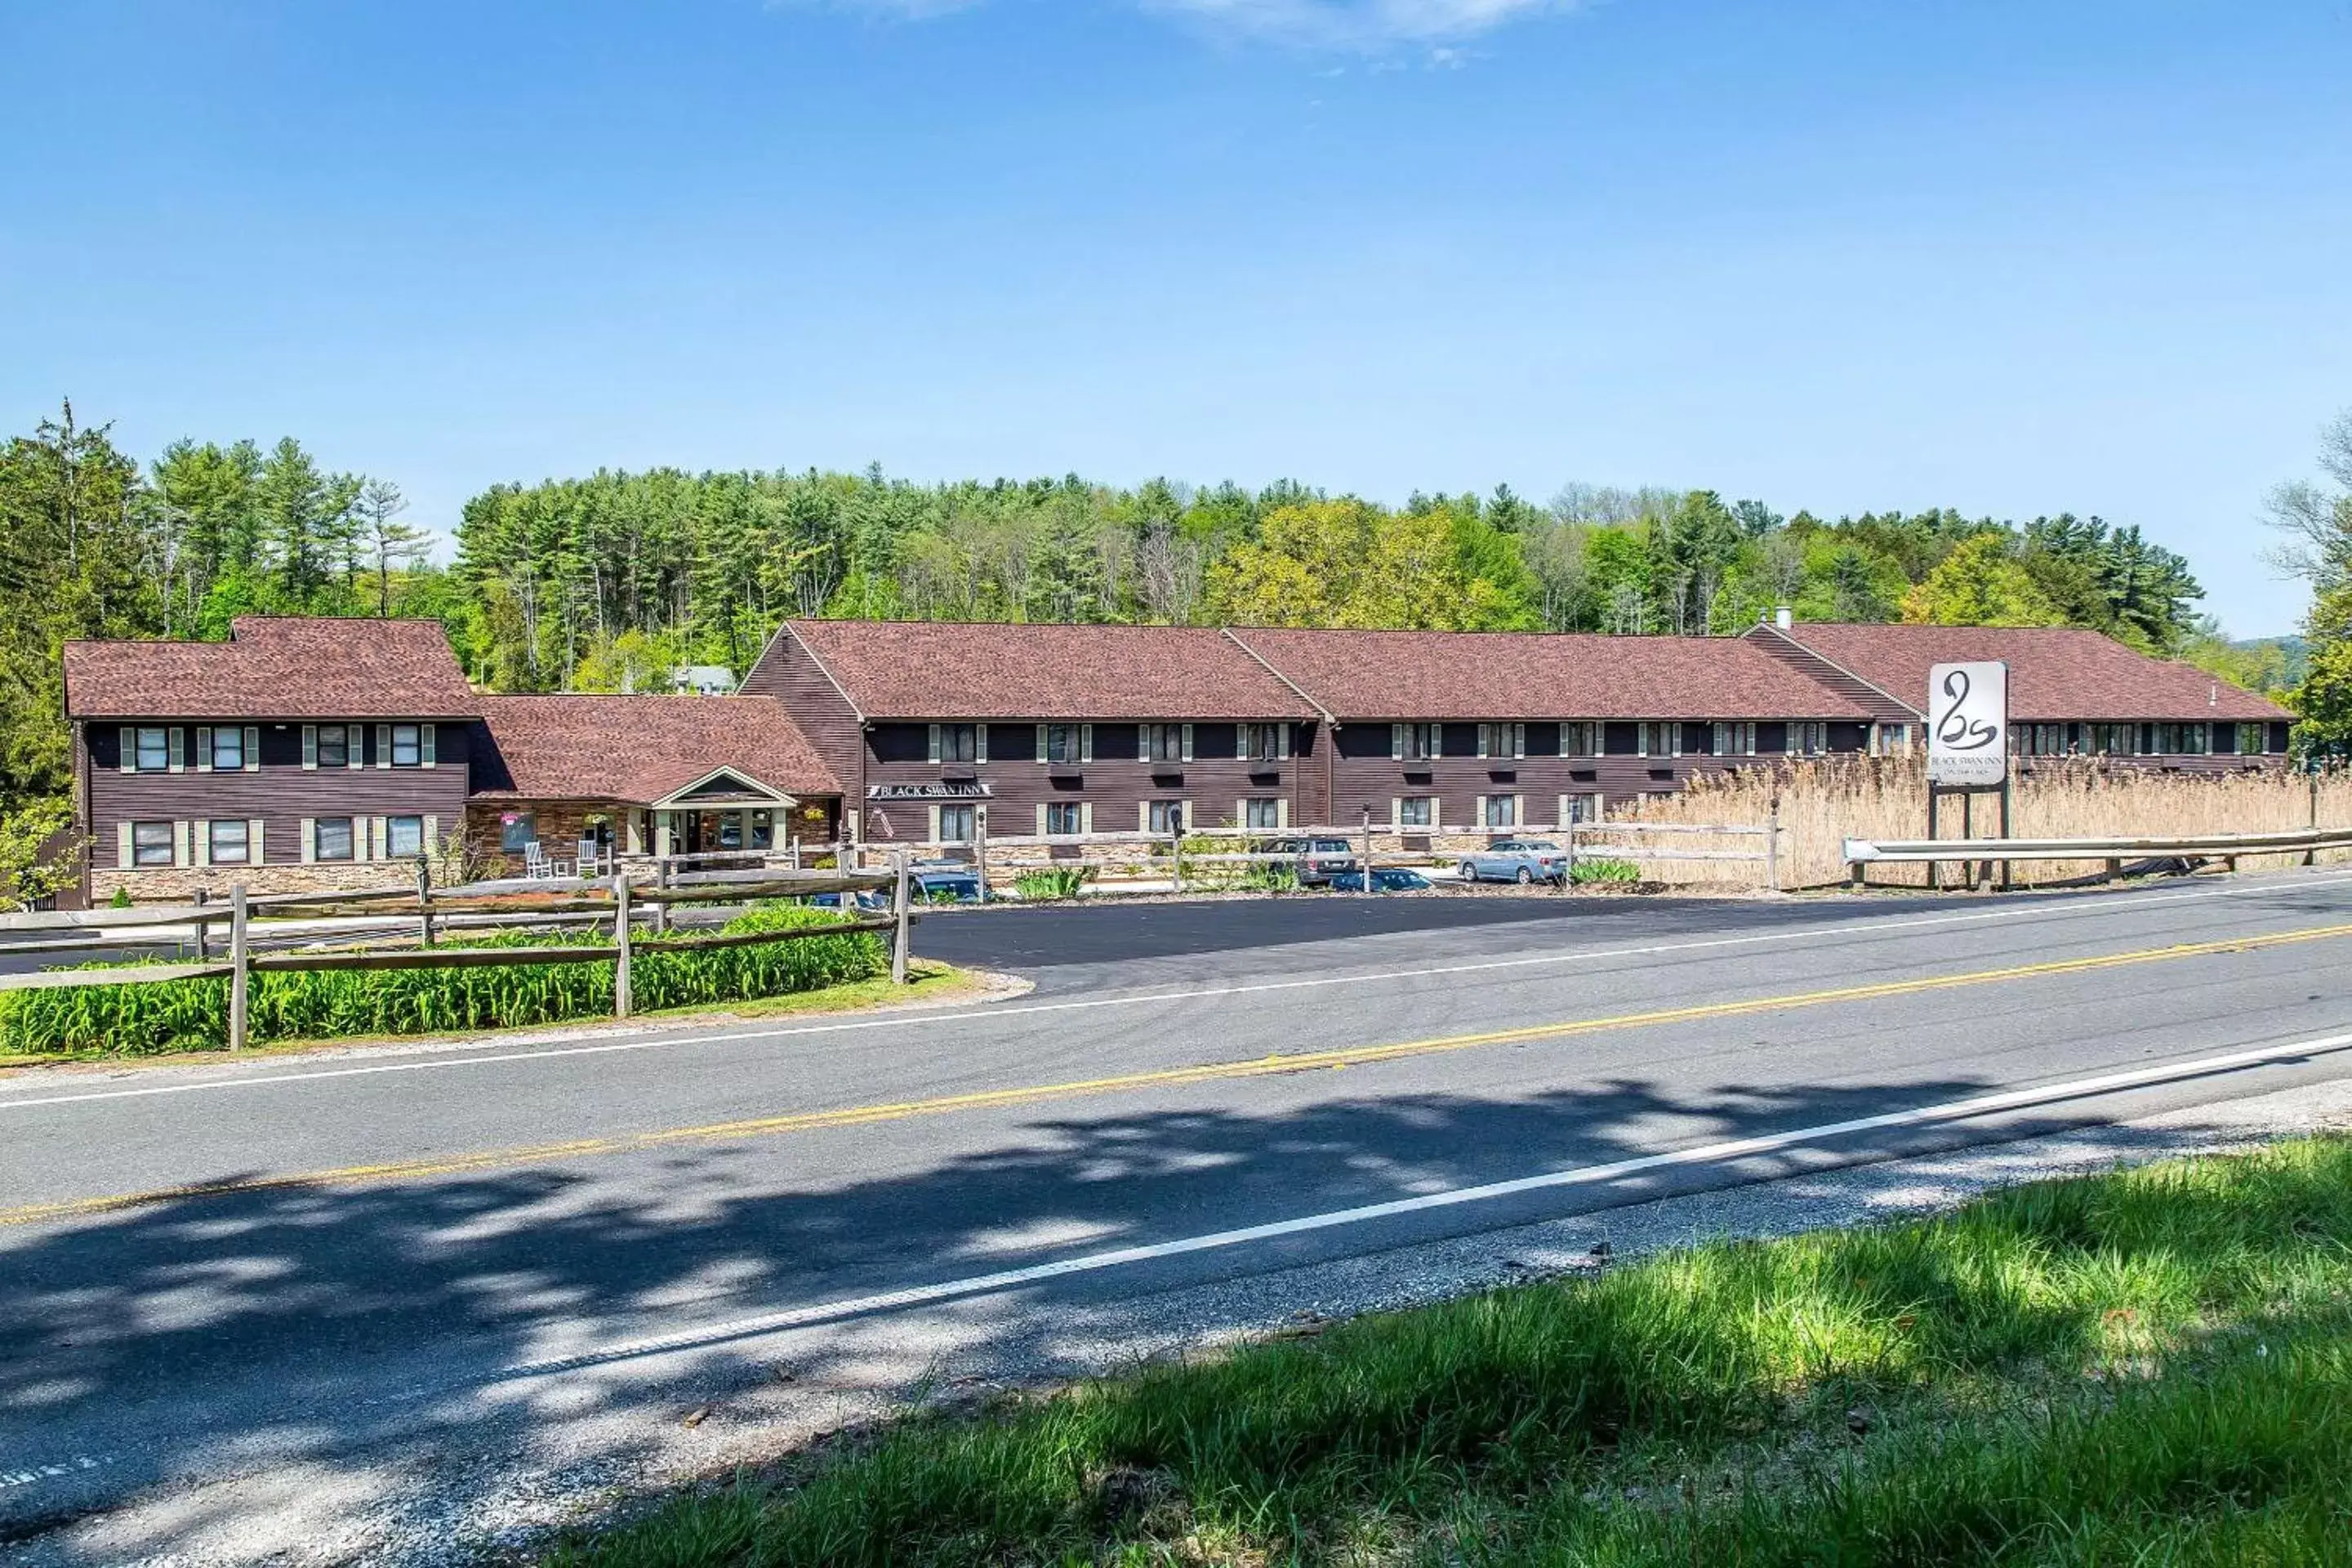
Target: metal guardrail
1860, 854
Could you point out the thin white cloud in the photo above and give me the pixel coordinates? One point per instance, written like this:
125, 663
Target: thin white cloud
1357, 24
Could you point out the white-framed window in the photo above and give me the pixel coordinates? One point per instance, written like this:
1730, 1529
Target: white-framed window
1164, 817
1159, 742
1264, 743
1261, 812
331, 838
1502, 811
1579, 808
2254, 740
517, 832
959, 824
1807, 737
336, 744
1065, 817
404, 835
151, 748
1662, 740
1416, 743
151, 843
1502, 740
958, 743
407, 745
228, 749
1580, 738
1062, 743
226, 842
1733, 740
1417, 810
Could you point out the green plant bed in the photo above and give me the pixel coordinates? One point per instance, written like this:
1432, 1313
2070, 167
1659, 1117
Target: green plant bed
192, 1015
1606, 872
1055, 882
2141, 1368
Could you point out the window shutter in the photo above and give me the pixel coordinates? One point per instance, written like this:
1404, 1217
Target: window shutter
127, 762
1086, 816
123, 844
1396, 742
1567, 815
1396, 814
309, 745
1482, 731
1478, 811
1241, 813
1044, 753
979, 742
1142, 816
1282, 811
382, 747
433, 835
179, 843
424, 744
1143, 741
1188, 746
177, 738
254, 853
1085, 743
309, 841
934, 835
379, 838
1186, 807
204, 748
1282, 739
1518, 811
253, 748
200, 843
1518, 739
935, 742
1041, 819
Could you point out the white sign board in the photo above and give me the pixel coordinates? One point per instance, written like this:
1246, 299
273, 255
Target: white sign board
1968, 723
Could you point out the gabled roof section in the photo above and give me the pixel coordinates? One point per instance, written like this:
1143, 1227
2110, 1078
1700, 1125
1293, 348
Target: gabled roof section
639, 750
1435, 676
2055, 673
276, 667
950, 670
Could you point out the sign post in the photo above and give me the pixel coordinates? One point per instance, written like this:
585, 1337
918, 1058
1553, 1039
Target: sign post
1968, 748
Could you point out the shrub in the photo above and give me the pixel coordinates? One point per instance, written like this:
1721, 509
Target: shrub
1606, 870
192, 1015
1055, 882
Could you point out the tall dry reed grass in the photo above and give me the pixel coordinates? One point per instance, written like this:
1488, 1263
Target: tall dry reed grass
1822, 803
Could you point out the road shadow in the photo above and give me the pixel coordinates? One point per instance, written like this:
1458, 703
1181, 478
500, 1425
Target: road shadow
302, 1325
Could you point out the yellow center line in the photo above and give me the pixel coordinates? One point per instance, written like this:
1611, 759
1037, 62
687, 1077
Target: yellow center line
1204, 1072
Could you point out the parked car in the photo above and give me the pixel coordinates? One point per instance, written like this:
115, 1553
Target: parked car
1317, 860
865, 900
1385, 879
1517, 860
937, 881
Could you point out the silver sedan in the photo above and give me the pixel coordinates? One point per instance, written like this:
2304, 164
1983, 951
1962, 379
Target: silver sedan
1517, 860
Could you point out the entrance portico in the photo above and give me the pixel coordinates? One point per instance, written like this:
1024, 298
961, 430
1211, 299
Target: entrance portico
726, 809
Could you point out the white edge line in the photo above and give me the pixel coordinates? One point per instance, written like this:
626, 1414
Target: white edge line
1584, 1175
909, 1019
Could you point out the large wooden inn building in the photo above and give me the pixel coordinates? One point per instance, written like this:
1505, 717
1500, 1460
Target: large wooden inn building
302, 749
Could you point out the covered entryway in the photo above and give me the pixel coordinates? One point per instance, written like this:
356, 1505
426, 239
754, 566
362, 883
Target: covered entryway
725, 811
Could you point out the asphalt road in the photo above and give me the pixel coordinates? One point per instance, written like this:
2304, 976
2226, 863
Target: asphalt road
300, 1289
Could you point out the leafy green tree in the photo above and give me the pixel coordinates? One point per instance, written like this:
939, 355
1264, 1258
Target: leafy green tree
1980, 583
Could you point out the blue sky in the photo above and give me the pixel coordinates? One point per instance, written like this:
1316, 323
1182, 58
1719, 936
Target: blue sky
2010, 258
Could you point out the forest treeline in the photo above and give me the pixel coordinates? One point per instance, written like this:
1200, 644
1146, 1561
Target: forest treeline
617, 577
612, 582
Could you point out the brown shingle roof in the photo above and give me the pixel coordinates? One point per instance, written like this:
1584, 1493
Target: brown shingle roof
1515, 675
275, 666
2055, 673
638, 749
937, 670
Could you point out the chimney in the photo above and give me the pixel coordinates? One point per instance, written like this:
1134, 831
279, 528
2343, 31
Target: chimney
1783, 618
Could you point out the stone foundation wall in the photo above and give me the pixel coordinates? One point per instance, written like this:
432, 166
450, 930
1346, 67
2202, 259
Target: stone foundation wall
178, 884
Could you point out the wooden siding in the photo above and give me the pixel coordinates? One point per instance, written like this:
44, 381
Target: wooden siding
279, 794
786, 671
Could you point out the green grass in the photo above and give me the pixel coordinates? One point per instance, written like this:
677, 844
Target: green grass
2143, 1368
192, 1015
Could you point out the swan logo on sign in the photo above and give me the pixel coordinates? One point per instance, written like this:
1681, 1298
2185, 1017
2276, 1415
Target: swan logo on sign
1968, 723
